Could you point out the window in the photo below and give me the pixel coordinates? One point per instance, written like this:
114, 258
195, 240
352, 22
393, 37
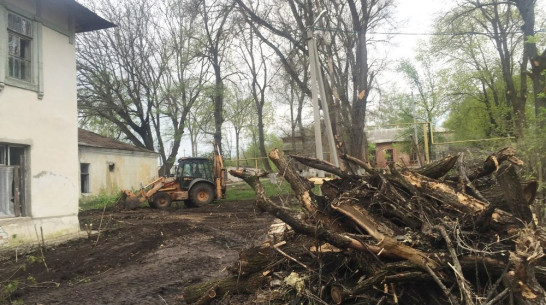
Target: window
12, 180
413, 158
389, 155
372, 157
19, 42
84, 169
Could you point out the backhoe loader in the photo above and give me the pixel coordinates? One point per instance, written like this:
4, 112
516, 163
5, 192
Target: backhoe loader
197, 181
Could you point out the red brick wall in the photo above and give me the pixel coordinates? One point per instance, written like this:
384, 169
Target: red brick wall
381, 155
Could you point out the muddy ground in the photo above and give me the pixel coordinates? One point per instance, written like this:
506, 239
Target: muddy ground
144, 256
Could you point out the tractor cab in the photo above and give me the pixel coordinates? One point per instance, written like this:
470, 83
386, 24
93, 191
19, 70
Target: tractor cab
190, 169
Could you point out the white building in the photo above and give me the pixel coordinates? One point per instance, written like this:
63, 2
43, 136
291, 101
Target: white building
108, 166
39, 168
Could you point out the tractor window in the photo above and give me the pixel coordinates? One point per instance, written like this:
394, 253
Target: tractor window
185, 170
196, 169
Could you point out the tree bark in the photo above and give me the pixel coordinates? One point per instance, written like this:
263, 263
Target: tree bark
445, 194
438, 168
233, 284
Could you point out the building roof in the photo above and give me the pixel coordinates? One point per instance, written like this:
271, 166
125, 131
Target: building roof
85, 19
387, 135
91, 139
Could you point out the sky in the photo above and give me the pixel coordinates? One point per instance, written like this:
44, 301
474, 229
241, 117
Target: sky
414, 17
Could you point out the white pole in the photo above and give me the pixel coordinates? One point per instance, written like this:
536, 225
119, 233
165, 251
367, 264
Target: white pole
314, 97
325, 111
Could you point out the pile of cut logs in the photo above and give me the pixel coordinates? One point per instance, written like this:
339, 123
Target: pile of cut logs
446, 233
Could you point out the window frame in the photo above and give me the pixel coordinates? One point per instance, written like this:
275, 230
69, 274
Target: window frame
23, 48
23, 188
85, 181
35, 83
389, 155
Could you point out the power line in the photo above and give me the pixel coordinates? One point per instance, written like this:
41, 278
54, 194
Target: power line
421, 34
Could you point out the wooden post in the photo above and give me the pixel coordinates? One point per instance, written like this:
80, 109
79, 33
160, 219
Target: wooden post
16, 191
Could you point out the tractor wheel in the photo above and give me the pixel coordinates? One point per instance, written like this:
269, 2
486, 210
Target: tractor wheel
201, 193
161, 200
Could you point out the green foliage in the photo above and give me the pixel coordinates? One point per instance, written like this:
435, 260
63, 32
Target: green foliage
531, 39
531, 150
371, 151
253, 150
98, 201
35, 259
473, 119
6, 291
9, 287
468, 120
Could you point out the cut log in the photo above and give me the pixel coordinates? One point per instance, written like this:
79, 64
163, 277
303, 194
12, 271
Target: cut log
522, 279
321, 165
388, 243
366, 166
491, 190
445, 194
253, 260
234, 284
438, 168
264, 203
511, 188
492, 163
302, 188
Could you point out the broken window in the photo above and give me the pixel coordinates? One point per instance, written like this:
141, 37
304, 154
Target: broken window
389, 155
84, 169
414, 158
12, 180
19, 45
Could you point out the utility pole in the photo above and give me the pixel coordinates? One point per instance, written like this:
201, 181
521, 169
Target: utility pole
317, 86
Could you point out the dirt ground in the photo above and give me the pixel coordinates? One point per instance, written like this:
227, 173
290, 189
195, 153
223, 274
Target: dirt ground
145, 256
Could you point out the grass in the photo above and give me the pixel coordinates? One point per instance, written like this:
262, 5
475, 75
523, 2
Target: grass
242, 191
236, 191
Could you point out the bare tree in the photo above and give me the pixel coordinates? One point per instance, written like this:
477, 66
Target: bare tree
238, 113
201, 119
112, 68
284, 26
215, 18
258, 81
142, 76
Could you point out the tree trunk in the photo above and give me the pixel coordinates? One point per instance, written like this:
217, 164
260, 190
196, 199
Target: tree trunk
218, 106
357, 145
261, 140
233, 284
438, 168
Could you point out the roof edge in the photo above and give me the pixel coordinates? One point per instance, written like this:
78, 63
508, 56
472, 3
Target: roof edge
87, 20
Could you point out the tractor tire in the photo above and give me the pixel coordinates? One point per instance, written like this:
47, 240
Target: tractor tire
161, 200
200, 194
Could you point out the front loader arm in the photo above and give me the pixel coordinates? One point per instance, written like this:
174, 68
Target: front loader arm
133, 200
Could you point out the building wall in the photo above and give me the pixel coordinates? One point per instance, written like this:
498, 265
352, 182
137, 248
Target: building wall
381, 154
111, 170
46, 124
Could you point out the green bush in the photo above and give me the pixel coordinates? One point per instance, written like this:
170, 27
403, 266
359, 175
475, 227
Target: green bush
98, 201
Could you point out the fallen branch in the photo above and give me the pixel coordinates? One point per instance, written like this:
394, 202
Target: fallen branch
321, 165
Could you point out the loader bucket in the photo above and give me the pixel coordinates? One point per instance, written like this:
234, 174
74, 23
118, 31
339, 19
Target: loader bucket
127, 201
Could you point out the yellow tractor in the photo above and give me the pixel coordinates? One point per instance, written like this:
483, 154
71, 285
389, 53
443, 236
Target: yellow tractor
197, 181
